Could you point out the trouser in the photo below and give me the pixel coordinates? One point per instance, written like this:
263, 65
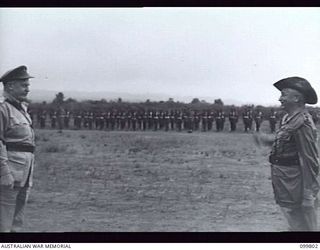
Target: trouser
301, 218
12, 206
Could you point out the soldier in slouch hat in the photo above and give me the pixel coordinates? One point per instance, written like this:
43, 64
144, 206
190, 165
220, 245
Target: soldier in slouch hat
294, 156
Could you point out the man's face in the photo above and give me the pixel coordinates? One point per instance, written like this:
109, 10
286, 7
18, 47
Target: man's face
19, 89
289, 98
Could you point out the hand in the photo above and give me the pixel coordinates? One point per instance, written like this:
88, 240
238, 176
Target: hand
7, 180
262, 139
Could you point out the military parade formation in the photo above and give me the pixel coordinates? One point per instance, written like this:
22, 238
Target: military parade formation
155, 120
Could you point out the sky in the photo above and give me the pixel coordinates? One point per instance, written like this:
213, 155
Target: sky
207, 53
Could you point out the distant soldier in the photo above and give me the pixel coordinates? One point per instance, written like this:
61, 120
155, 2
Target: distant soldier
78, 120
38, 117
210, 120
139, 119
113, 119
166, 119
60, 118
258, 118
179, 120
43, 118
66, 119
220, 119
273, 120
129, 120
86, 120
96, 120
53, 119
156, 121
204, 121
145, 120
196, 121
247, 119
134, 120
233, 119
150, 120
188, 122
123, 120
172, 120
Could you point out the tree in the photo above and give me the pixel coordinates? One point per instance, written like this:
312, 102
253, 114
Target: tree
218, 102
59, 99
195, 101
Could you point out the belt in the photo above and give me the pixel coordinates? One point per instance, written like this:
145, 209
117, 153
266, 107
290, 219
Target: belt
284, 161
20, 147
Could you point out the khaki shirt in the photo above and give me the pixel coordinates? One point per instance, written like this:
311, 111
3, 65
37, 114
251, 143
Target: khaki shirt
296, 137
16, 126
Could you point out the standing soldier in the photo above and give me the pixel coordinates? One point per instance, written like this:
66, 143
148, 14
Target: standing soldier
233, 119
134, 121
17, 145
294, 156
179, 120
204, 121
123, 120
156, 121
166, 121
258, 118
43, 118
129, 119
247, 119
150, 120
273, 120
140, 119
66, 119
79, 119
145, 120
53, 119
210, 120
60, 118
90, 120
113, 119
38, 118
172, 119
196, 121
220, 119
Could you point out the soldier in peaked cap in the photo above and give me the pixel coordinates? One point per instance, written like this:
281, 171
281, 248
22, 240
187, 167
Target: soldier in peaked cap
16, 149
294, 156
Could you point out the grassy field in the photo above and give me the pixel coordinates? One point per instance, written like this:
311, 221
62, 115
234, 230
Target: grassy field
151, 181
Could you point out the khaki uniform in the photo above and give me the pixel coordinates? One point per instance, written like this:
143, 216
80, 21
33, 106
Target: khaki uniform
294, 169
16, 157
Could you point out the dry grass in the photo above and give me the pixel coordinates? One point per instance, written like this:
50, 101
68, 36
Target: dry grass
151, 181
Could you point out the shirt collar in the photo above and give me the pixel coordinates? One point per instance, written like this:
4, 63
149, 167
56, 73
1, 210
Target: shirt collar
11, 98
287, 118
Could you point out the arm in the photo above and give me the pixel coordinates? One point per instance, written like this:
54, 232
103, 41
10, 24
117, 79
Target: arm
262, 139
6, 177
309, 161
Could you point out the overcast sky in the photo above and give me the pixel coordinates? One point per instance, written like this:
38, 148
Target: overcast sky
230, 53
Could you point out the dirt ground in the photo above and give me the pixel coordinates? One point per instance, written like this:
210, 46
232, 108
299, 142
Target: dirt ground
123, 181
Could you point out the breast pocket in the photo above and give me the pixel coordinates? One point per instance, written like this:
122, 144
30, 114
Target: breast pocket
19, 128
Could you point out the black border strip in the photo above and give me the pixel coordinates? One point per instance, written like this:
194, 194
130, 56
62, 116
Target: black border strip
159, 237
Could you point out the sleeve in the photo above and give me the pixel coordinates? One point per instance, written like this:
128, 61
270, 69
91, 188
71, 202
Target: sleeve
4, 168
306, 139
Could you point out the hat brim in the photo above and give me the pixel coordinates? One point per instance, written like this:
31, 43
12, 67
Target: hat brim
309, 93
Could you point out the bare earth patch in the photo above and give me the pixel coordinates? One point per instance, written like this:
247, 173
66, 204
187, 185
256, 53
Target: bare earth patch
151, 181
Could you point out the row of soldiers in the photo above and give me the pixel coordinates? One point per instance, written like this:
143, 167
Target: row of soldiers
156, 120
